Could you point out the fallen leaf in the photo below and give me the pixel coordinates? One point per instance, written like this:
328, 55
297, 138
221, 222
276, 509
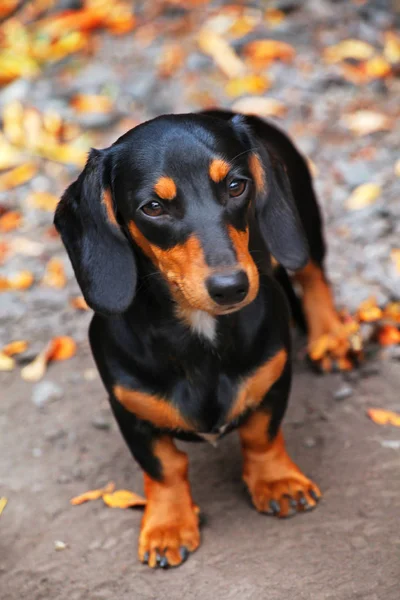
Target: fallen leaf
16, 347
377, 68
363, 195
248, 84
79, 303
93, 494
388, 335
55, 274
3, 504
369, 311
392, 47
274, 17
364, 122
395, 256
91, 103
6, 362
171, 61
11, 220
37, 368
261, 53
4, 251
17, 176
59, 348
20, 281
356, 49
43, 201
384, 417
9, 156
397, 168
123, 499
220, 51
26, 247
263, 107
392, 312
62, 348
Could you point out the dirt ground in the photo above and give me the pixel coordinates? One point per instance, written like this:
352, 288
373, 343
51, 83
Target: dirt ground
54, 446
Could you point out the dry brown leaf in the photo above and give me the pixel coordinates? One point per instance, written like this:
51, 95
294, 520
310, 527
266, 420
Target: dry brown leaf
55, 274
123, 499
389, 335
79, 303
11, 220
91, 103
6, 362
392, 47
43, 201
93, 494
16, 347
171, 61
363, 195
248, 84
384, 417
264, 107
261, 53
17, 176
364, 122
220, 51
369, 311
355, 49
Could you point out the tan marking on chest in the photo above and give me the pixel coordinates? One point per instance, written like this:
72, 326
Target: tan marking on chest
254, 388
165, 188
151, 408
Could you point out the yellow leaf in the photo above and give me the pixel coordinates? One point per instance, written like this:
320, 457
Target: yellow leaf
6, 362
22, 280
16, 347
364, 122
249, 84
3, 504
17, 176
93, 494
264, 107
355, 49
392, 47
43, 201
123, 499
10, 220
364, 195
395, 256
55, 274
9, 156
369, 311
384, 417
262, 52
220, 51
90, 103
397, 168
377, 68
36, 369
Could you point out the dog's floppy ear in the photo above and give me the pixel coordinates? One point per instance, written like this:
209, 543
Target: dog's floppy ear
100, 253
276, 212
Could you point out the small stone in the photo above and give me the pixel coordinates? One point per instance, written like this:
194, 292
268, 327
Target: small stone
37, 452
310, 442
46, 392
343, 392
369, 370
63, 479
392, 444
90, 374
54, 434
59, 545
99, 422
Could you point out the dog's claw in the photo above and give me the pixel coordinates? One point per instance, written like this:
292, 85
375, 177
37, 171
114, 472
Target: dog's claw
164, 562
274, 506
313, 495
146, 558
184, 552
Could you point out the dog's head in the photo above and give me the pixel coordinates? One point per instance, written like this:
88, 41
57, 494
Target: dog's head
181, 190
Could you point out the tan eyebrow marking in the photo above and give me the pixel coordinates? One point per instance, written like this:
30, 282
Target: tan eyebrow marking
165, 188
108, 203
218, 169
257, 172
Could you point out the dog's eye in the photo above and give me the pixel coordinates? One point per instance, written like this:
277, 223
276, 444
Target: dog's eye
237, 187
153, 209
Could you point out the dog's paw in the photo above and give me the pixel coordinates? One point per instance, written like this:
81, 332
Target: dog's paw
338, 350
285, 497
167, 540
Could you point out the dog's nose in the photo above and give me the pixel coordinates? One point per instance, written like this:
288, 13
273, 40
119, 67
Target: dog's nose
228, 288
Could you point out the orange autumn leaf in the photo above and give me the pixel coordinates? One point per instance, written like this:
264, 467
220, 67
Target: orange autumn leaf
17, 176
172, 59
10, 220
377, 68
4, 250
79, 303
248, 84
348, 49
61, 348
93, 494
262, 52
392, 312
55, 274
43, 201
21, 281
388, 335
91, 103
123, 499
384, 417
369, 311
16, 347
274, 17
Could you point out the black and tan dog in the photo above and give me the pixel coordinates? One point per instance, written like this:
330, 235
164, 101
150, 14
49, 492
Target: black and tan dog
170, 232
